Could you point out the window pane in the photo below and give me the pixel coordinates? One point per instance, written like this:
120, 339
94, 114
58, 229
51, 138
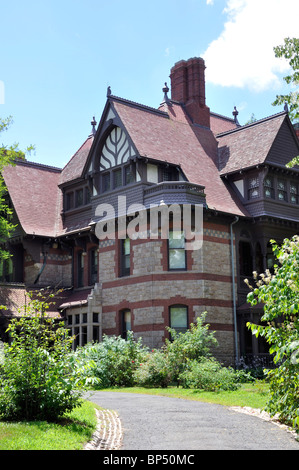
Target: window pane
127, 246
117, 178
269, 190
95, 317
176, 239
79, 197
177, 259
127, 320
178, 317
126, 323
293, 193
129, 175
125, 257
69, 200
96, 333
106, 182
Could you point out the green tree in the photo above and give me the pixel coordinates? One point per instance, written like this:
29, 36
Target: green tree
290, 51
279, 294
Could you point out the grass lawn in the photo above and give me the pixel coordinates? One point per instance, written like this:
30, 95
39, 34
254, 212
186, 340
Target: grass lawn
69, 434
78, 426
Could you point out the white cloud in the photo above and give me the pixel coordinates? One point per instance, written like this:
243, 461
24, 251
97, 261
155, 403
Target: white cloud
243, 55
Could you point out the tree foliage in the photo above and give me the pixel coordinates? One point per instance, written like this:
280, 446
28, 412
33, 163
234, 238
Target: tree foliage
279, 294
290, 51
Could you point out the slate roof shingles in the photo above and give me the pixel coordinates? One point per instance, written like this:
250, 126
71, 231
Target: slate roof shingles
249, 145
174, 140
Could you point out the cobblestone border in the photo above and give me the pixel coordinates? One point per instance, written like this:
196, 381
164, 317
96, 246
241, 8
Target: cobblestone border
108, 435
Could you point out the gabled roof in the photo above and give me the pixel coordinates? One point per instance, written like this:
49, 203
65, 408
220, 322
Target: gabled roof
170, 136
221, 123
248, 146
34, 192
73, 169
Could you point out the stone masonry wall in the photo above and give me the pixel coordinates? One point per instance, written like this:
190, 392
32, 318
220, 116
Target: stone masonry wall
206, 286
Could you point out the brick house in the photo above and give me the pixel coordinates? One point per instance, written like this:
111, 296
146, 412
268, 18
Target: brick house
180, 153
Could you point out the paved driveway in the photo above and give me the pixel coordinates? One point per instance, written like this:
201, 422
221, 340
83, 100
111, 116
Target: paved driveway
161, 423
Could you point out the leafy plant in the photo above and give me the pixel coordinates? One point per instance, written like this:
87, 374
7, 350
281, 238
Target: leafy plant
154, 371
191, 345
209, 375
115, 359
279, 293
39, 376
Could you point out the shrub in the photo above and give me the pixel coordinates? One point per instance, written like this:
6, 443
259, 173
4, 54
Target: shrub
39, 378
209, 375
194, 344
115, 360
154, 371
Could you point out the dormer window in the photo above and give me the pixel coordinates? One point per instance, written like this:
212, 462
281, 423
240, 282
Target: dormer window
77, 198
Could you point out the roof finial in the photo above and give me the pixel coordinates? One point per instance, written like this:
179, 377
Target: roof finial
109, 91
165, 90
286, 108
235, 114
93, 123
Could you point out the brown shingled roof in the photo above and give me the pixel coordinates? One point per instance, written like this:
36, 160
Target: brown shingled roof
73, 169
249, 145
172, 138
35, 195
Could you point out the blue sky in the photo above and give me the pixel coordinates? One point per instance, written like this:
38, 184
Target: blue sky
58, 58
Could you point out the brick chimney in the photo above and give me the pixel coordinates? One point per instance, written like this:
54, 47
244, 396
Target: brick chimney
188, 87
